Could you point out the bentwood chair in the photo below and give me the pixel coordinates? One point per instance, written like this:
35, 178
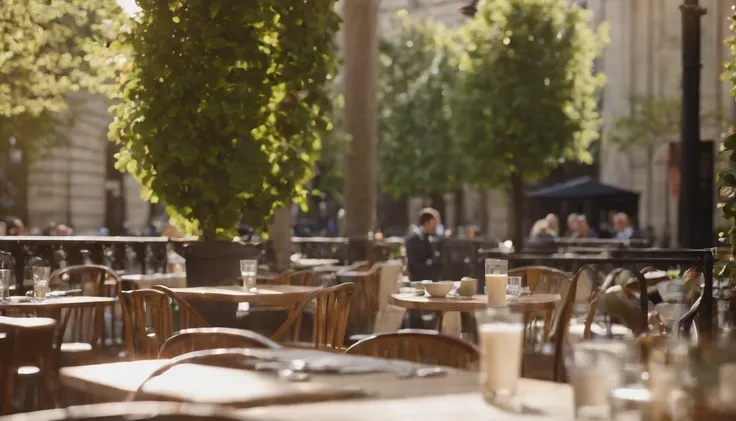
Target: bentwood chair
420, 346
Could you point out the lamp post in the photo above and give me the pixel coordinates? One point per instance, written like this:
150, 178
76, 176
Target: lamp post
690, 127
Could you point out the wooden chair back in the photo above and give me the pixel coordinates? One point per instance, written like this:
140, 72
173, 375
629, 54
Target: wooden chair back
157, 307
95, 280
332, 308
221, 357
199, 339
420, 346
142, 411
298, 278
86, 324
365, 299
555, 328
545, 280
28, 342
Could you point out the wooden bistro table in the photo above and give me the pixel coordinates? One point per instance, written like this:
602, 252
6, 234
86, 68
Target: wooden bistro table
267, 295
366, 389
303, 264
171, 280
467, 305
51, 306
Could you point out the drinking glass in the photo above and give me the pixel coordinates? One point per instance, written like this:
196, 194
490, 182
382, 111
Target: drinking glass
40, 277
513, 288
5, 279
496, 281
670, 315
248, 272
594, 370
500, 334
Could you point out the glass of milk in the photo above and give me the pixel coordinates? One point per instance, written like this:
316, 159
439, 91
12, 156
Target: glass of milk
500, 335
496, 281
594, 369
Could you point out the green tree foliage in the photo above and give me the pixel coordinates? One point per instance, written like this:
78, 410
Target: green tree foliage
50, 49
529, 92
651, 123
727, 176
224, 104
417, 150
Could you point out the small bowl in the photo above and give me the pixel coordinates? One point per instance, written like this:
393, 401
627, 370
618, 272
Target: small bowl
439, 289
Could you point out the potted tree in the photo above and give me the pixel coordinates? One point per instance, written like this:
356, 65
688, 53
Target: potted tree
222, 107
725, 267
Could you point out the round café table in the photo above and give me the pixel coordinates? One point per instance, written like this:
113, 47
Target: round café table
467, 305
51, 307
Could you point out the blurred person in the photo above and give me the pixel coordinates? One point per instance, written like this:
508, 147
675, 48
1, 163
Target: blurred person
35, 231
572, 225
541, 230
50, 228
553, 224
14, 226
63, 230
583, 228
607, 228
423, 263
624, 230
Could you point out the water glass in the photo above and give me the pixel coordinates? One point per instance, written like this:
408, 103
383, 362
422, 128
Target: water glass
496, 281
40, 277
248, 272
513, 287
594, 370
500, 335
5, 279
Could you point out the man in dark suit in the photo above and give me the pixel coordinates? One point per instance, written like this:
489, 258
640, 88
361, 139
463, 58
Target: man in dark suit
423, 263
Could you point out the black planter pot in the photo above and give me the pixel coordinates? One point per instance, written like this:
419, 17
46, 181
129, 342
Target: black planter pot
216, 263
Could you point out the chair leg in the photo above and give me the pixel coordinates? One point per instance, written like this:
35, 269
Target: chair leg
6, 405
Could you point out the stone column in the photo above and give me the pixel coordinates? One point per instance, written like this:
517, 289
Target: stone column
360, 51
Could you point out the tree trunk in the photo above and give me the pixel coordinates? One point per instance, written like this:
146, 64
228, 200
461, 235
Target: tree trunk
361, 77
484, 223
279, 232
650, 185
517, 216
438, 203
459, 207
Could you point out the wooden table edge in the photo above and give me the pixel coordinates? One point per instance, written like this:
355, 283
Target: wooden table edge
103, 301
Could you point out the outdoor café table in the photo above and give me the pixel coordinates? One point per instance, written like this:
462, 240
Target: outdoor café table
467, 305
542, 401
314, 263
273, 295
51, 307
380, 382
171, 280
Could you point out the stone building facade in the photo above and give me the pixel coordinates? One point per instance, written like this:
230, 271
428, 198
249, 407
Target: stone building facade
643, 58
70, 184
